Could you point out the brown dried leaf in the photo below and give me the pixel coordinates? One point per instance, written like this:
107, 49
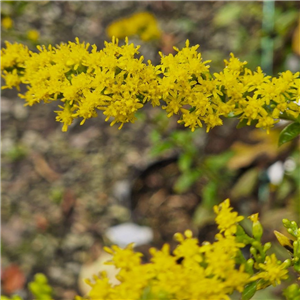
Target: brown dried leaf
266, 147
43, 169
13, 279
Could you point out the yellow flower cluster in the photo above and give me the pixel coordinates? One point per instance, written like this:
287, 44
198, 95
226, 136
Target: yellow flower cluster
226, 219
192, 271
112, 79
272, 272
210, 271
142, 24
188, 86
115, 81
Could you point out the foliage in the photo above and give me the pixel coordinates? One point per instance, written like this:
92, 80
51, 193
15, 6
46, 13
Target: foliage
192, 164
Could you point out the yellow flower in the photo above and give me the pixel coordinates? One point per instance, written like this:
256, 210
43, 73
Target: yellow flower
234, 63
226, 219
100, 287
188, 249
65, 116
12, 79
33, 35
7, 22
143, 24
203, 272
124, 258
253, 218
13, 56
272, 272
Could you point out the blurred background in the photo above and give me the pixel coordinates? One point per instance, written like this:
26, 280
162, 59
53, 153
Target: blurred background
66, 195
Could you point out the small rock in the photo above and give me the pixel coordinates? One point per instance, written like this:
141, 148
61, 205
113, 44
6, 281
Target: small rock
121, 191
20, 112
119, 212
127, 233
276, 173
76, 241
6, 105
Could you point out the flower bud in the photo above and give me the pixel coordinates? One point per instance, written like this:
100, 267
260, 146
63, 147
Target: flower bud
287, 263
294, 224
257, 229
249, 266
297, 266
296, 245
267, 246
292, 291
253, 251
286, 223
256, 244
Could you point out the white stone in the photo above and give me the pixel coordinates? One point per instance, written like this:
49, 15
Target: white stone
127, 233
276, 172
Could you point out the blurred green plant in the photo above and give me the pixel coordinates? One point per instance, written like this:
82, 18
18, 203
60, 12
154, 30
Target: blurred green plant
16, 153
192, 164
10, 12
292, 292
243, 24
40, 288
14, 297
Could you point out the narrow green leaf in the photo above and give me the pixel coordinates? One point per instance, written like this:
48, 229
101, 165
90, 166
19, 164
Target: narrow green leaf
249, 291
161, 148
186, 180
209, 194
288, 133
185, 162
218, 161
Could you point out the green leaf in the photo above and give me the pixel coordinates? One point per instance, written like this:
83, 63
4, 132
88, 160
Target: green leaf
209, 194
218, 161
185, 162
161, 148
249, 291
288, 133
146, 295
182, 138
228, 14
245, 185
203, 216
185, 181
155, 136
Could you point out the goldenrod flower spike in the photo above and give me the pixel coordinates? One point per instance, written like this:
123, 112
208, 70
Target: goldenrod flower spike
114, 80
